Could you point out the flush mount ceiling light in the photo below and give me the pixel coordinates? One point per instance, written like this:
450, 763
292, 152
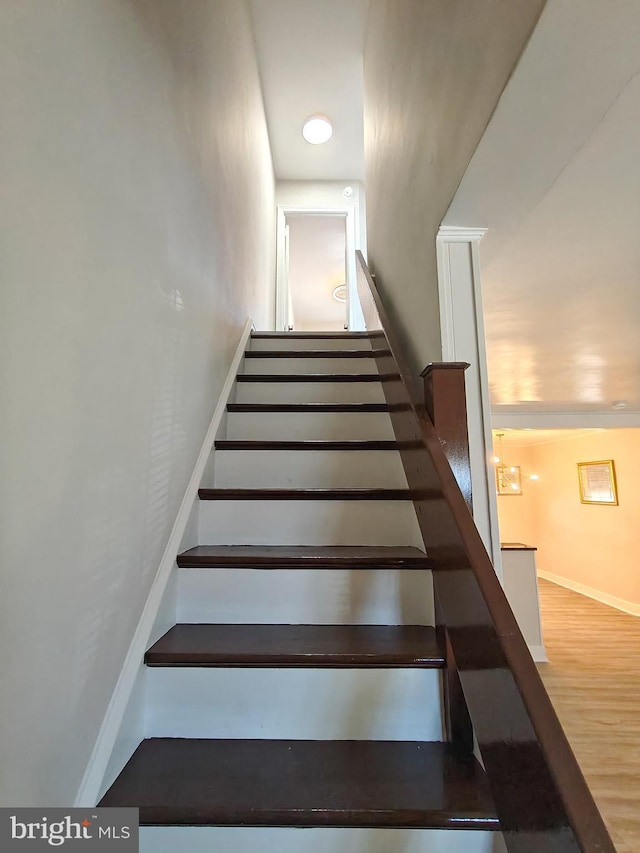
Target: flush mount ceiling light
317, 129
340, 293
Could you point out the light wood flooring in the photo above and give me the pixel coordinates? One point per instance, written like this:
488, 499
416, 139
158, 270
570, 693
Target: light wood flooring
593, 678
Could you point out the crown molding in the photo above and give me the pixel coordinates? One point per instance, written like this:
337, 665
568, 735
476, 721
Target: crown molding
458, 234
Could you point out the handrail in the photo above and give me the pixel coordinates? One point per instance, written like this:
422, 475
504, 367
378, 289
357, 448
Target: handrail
542, 800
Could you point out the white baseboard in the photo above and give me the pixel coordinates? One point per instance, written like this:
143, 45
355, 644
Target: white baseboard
604, 598
539, 654
89, 789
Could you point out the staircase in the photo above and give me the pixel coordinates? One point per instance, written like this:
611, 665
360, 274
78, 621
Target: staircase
302, 685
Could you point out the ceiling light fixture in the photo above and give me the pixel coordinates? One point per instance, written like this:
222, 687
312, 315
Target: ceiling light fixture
317, 129
340, 293
508, 477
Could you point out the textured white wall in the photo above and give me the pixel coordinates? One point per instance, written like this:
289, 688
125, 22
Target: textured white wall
137, 235
433, 73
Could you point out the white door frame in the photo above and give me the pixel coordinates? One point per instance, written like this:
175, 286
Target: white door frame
354, 316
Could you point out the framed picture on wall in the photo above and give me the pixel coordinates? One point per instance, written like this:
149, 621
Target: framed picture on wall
598, 482
509, 480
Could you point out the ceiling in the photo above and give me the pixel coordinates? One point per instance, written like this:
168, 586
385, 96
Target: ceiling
536, 437
310, 59
316, 267
556, 180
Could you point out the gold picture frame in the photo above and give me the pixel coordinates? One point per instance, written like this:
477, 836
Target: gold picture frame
597, 482
509, 480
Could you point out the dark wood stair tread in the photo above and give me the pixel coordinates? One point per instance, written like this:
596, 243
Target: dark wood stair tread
297, 646
305, 494
304, 444
303, 557
314, 377
175, 781
311, 408
312, 335
316, 353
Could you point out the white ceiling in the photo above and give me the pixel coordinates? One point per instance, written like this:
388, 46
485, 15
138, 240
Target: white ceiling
556, 180
536, 437
316, 267
310, 59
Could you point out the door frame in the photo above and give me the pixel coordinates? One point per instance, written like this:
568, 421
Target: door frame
355, 319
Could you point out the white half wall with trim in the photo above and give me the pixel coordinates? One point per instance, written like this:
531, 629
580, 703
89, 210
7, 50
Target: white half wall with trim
462, 333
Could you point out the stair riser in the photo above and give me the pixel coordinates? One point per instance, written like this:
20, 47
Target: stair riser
288, 343
309, 365
308, 522
294, 704
306, 596
307, 426
309, 392
311, 469
283, 840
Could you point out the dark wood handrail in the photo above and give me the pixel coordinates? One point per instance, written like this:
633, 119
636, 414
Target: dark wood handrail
542, 799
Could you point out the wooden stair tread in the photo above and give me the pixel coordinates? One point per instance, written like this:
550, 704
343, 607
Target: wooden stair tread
316, 353
304, 444
314, 377
311, 335
303, 557
297, 646
305, 494
311, 408
176, 781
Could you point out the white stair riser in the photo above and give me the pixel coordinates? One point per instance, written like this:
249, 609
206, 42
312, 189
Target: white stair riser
308, 522
222, 839
309, 392
306, 596
290, 343
318, 426
294, 704
309, 365
310, 469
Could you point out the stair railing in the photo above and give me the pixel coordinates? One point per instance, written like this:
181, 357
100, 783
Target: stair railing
493, 695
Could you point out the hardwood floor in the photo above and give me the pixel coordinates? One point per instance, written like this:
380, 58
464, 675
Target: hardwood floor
593, 678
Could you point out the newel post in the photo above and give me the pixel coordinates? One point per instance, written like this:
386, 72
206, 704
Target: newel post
446, 404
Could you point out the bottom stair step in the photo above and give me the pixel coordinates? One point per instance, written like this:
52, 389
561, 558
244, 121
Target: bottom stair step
296, 783
252, 839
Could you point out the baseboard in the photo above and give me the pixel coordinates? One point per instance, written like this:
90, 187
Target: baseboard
89, 789
604, 598
539, 654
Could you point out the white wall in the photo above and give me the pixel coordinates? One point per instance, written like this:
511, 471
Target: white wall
592, 548
137, 227
433, 73
327, 195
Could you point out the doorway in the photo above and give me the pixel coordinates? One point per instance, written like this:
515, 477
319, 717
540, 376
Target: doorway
317, 248
316, 276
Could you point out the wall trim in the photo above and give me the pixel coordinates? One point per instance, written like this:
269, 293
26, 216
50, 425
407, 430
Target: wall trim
603, 597
89, 789
460, 300
523, 419
539, 654
461, 234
